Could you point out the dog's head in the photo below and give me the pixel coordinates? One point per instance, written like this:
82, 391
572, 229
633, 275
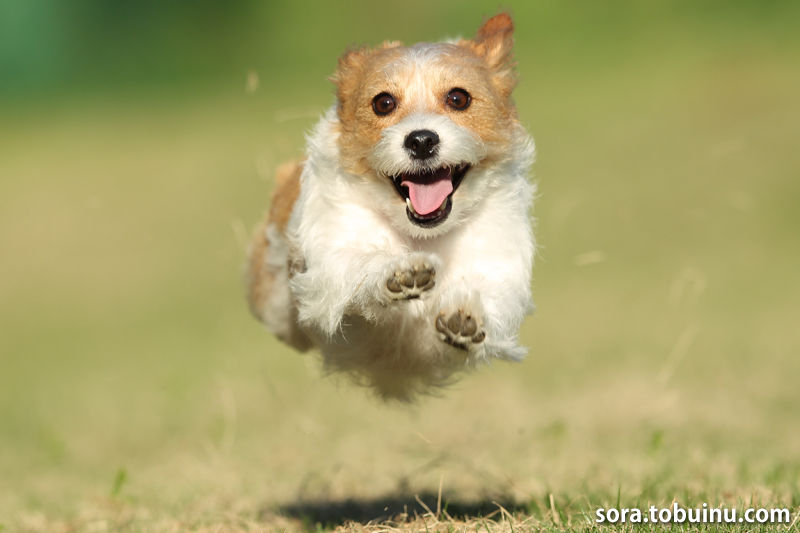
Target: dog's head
428, 125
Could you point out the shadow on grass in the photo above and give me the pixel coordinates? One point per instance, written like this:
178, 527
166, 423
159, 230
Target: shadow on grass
393, 507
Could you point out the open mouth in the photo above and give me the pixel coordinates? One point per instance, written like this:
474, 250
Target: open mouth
429, 194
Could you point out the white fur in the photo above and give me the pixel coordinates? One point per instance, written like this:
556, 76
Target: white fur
352, 234
279, 313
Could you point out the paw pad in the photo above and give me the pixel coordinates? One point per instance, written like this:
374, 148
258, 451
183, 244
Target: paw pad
460, 329
411, 283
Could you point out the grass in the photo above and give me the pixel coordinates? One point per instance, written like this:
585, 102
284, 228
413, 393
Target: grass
136, 394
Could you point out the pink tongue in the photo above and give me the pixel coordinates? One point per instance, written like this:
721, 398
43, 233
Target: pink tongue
427, 197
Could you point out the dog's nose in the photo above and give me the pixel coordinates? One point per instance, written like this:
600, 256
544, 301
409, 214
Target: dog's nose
421, 143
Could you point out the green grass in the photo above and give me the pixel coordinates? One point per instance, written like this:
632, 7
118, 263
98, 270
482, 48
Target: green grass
137, 394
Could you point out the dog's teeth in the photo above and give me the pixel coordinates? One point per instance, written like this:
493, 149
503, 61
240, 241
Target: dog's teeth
410, 207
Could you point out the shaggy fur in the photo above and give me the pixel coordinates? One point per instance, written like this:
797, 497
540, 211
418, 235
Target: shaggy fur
398, 305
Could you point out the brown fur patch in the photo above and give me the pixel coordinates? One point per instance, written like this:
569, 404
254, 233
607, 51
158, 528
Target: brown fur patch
259, 277
287, 189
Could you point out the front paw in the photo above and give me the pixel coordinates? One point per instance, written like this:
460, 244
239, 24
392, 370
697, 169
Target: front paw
461, 329
409, 280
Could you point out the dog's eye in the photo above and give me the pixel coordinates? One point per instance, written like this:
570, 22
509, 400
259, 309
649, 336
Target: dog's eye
383, 104
458, 99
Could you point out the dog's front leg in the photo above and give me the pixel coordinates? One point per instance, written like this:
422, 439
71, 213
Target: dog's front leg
363, 284
481, 321
483, 302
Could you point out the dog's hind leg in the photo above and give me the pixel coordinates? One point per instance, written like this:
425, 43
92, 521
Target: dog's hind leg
270, 263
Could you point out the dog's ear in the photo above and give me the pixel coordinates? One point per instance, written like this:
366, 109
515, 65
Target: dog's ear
351, 65
495, 40
494, 43
348, 72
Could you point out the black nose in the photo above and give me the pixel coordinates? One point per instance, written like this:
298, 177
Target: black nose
422, 143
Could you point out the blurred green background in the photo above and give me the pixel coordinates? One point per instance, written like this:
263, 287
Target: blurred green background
137, 144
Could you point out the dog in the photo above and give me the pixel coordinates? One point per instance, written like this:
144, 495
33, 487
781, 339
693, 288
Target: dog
401, 247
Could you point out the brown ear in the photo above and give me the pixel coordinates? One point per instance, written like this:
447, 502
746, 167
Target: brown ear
351, 64
347, 72
495, 40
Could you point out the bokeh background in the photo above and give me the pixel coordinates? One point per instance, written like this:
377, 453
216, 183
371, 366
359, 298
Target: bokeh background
137, 148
